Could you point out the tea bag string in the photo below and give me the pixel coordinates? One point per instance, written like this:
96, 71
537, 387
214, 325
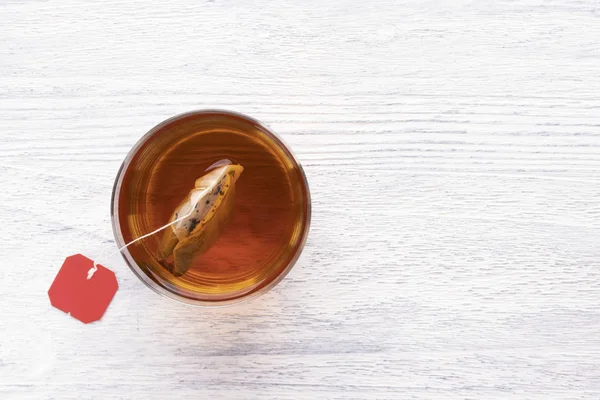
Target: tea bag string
93, 270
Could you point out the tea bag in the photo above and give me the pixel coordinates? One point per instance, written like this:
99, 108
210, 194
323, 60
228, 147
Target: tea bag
208, 209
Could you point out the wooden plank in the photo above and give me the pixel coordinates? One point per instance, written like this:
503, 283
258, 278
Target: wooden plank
453, 155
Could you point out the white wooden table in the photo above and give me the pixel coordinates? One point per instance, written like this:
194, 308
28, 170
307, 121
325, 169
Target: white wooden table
453, 153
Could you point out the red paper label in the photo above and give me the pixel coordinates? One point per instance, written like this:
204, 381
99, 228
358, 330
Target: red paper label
83, 298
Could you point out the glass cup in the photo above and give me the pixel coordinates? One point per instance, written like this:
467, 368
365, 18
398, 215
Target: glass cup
261, 233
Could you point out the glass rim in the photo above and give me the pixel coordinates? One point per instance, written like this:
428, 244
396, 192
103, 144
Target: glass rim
151, 283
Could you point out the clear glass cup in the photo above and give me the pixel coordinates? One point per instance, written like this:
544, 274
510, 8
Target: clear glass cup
270, 218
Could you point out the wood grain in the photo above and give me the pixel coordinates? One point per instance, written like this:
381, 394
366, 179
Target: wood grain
453, 153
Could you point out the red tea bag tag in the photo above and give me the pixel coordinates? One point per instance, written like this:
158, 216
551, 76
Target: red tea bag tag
83, 290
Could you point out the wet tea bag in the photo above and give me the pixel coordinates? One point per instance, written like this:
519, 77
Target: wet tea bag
200, 219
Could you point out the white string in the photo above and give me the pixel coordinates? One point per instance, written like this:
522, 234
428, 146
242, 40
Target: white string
93, 270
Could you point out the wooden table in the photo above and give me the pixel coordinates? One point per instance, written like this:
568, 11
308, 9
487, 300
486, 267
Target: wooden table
453, 154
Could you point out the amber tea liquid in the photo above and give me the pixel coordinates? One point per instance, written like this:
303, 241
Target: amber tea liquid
270, 216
